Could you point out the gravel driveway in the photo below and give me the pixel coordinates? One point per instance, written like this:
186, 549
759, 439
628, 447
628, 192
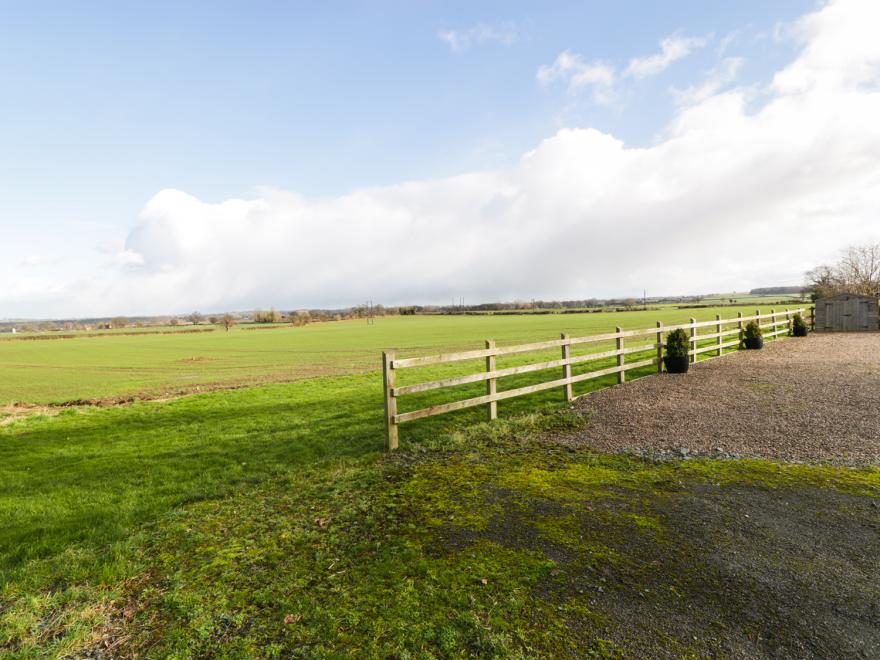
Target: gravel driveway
815, 399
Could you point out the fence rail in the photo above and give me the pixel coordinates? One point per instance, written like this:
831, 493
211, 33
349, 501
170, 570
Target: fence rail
772, 324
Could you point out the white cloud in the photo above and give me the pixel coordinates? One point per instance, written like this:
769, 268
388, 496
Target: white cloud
571, 68
672, 49
600, 76
733, 196
841, 49
717, 79
727, 41
32, 261
461, 40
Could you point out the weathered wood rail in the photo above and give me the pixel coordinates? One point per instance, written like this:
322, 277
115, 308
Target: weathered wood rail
772, 324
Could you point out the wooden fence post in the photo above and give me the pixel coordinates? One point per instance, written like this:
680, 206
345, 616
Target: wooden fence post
718, 332
566, 368
659, 347
739, 325
621, 375
694, 339
787, 321
492, 383
813, 317
773, 321
390, 401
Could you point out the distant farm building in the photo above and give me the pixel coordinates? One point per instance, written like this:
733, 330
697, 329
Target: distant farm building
847, 313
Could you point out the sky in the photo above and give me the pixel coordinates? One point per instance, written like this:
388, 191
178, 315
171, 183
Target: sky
160, 158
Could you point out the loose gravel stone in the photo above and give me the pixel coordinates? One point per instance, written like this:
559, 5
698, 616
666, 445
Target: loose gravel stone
814, 399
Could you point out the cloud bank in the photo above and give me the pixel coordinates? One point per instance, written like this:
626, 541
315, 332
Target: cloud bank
746, 187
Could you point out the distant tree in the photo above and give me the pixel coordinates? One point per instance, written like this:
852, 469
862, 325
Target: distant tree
272, 316
213, 320
195, 318
119, 322
629, 303
300, 317
228, 321
173, 322
857, 271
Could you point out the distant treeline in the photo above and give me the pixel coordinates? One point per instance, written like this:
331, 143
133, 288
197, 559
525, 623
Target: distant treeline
777, 290
273, 317
736, 304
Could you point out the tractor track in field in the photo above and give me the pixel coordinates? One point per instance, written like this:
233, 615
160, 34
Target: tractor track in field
16, 410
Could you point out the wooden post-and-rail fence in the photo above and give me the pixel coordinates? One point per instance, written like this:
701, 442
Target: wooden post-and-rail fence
772, 325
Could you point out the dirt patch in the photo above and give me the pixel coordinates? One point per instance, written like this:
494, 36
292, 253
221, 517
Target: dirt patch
279, 326
813, 399
13, 412
97, 335
24, 409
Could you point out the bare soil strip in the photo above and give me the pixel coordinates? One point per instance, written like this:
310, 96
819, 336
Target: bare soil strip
99, 335
811, 400
19, 409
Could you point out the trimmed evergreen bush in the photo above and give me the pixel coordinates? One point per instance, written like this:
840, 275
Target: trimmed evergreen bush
677, 346
753, 337
677, 343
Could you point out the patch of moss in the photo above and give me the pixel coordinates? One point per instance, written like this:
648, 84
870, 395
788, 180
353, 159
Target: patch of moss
771, 474
450, 493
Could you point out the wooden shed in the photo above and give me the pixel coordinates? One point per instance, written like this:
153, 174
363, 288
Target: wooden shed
847, 312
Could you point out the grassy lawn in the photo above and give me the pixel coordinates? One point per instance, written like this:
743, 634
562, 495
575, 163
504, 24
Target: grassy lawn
268, 521
113, 365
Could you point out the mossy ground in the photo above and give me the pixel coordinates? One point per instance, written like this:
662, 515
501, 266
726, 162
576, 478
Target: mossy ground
494, 543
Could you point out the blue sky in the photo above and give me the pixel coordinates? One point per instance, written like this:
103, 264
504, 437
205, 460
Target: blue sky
106, 104
216, 98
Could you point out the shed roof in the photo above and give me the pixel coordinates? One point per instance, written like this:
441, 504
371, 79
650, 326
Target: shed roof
847, 296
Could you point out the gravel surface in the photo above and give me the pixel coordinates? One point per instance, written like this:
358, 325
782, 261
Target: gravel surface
814, 400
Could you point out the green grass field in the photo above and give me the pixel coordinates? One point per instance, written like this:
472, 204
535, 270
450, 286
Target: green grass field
267, 520
151, 365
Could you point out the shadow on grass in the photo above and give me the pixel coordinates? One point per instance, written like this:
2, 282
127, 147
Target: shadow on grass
88, 478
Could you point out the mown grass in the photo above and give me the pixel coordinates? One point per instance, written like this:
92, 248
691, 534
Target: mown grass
114, 366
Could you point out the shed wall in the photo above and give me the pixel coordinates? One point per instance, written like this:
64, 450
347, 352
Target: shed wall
847, 313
